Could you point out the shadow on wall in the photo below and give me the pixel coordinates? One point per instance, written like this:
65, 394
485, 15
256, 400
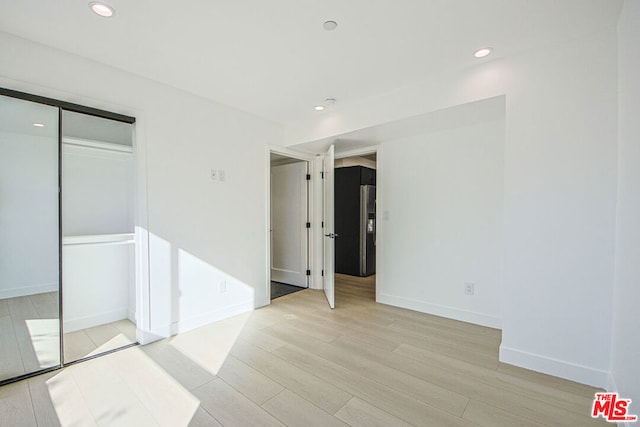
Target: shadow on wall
157, 381
187, 292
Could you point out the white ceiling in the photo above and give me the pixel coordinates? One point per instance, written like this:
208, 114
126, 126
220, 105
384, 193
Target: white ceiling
274, 59
459, 116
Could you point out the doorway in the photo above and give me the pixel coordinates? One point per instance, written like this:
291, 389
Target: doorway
289, 224
356, 225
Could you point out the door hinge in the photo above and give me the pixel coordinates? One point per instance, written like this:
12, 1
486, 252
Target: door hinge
322, 224
308, 225
322, 273
308, 177
308, 272
322, 175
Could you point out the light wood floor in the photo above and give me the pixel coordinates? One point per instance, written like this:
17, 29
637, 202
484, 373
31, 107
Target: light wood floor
29, 335
298, 363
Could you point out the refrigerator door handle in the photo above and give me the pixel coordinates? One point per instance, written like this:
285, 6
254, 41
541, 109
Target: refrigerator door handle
364, 195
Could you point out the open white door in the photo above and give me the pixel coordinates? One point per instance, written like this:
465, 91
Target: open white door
328, 231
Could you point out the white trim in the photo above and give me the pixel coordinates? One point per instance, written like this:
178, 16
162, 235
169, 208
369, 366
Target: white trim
212, 316
72, 325
142, 262
441, 310
198, 321
613, 388
283, 151
98, 145
23, 291
315, 212
556, 367
267, 225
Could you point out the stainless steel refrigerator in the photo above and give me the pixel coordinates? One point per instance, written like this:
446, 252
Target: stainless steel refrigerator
355, 220
367, 230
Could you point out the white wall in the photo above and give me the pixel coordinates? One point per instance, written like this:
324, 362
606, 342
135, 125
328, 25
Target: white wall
625, 366
202, 231
442, 214
28, 214
289, 235
98, 191
559, 195
97, 276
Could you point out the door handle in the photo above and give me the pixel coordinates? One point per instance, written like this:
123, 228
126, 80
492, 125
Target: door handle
331, 235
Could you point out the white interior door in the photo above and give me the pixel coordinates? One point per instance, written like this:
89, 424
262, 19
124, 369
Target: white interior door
329, 230
288, 223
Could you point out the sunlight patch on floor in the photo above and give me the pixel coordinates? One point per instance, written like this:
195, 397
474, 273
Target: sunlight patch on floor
123, 388
209, 345
45, 340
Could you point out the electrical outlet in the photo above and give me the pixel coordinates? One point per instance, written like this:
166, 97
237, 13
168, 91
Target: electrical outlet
214, 174
469, 288
223, 286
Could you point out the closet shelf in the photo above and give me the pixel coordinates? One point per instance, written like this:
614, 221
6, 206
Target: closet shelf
99, 145
99, 239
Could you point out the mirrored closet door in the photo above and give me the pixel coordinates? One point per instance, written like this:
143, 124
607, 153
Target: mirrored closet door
67, 234
29, 238
98, 235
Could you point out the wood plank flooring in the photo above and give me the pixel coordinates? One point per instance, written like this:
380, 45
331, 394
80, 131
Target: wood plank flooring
298, 363
29, 335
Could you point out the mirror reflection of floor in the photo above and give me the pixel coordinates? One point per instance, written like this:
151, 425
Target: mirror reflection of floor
29, 330
91, 341
29, 335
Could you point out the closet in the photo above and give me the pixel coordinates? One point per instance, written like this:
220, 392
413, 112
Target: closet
98, 241
67, 233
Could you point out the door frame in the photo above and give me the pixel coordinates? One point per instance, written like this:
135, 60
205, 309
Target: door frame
310, 209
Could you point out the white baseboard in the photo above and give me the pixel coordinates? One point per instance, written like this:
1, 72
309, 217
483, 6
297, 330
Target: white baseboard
28, 290
212, 316
71, 325
147, 337
441, 310
613, 388
559, 368
203, 319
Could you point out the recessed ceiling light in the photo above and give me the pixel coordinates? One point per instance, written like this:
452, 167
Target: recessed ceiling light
481, 53
102, 9
38, 125
330, 101
319, 107
330, 25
